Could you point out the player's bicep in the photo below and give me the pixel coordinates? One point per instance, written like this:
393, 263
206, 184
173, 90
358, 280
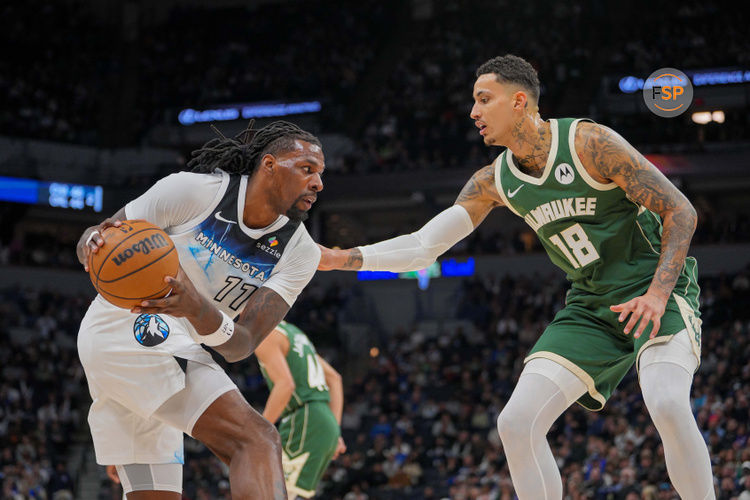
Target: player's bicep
612, 157
479, 196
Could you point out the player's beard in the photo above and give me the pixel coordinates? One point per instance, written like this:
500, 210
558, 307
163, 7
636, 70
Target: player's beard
295, 213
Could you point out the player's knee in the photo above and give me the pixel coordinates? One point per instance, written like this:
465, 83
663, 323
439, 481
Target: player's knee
511, 425
665, 406
259, 433
272, 437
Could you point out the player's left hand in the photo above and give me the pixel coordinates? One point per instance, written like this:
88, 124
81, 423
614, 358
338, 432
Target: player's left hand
340, 449
649, 307
182, 301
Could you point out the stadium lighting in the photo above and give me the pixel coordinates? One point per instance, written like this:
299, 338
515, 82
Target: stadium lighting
702, 117
718, 116
190, 116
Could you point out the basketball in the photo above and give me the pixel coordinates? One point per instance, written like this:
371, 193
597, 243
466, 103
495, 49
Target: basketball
131, 265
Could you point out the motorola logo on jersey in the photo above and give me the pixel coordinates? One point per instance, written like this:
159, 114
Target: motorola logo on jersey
143, 246
564, 173
150, 330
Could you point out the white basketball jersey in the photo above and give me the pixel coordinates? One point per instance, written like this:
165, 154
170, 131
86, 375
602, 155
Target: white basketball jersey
223, 258
227, 261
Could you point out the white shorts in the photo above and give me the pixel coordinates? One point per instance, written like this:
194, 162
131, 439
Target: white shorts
149, 382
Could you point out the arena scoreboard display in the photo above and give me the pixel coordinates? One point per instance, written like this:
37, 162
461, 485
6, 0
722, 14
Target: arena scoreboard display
51, 194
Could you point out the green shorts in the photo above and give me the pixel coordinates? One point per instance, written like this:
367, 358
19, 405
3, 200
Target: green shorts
309, 437
587, 339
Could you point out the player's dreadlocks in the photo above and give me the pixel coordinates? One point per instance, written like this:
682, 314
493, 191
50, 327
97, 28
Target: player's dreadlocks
242, 154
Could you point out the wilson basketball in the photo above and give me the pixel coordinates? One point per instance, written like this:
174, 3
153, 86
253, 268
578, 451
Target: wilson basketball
131, 265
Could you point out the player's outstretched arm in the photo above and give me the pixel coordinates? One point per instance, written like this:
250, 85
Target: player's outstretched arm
419, 249
607, 154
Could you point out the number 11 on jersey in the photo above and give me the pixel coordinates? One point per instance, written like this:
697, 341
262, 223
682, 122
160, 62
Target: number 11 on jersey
235, 302
577, 242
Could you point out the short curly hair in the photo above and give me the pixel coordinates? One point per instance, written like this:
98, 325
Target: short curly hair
513, 69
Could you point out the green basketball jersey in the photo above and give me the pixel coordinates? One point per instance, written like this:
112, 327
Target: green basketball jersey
603, 241
309, 378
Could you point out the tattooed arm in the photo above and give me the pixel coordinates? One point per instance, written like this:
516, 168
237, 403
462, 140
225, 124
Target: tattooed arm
419, 249
331, 259
609, 157
479, 196
264, 310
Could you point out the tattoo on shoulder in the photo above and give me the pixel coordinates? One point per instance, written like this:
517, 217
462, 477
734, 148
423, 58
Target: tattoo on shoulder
480, 186
613, 158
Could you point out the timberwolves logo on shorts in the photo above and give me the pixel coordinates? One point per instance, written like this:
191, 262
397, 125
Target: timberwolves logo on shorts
150, 330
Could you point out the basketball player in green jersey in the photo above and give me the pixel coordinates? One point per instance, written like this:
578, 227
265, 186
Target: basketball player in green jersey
621, 232
308, 396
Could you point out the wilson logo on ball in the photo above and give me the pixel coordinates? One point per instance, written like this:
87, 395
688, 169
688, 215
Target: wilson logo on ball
144, 246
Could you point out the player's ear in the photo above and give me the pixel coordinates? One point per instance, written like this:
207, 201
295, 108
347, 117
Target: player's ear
519, 100
268, 163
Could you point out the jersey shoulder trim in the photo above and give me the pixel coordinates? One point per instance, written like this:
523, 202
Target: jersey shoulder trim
599, 186
499, 183
286, 328
203, 215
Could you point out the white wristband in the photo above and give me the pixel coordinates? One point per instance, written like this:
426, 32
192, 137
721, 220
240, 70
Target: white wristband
220, 336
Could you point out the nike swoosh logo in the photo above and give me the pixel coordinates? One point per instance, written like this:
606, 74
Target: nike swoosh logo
222, 219
511, 194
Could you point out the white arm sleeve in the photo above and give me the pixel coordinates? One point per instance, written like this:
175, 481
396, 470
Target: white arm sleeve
175, 199
295, 269
418, 250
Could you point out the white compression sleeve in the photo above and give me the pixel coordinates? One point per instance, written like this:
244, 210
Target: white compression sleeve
415, 251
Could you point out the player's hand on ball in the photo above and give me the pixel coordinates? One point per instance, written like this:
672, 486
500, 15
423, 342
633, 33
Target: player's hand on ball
184, 300
649, 307
340, 449
91, 240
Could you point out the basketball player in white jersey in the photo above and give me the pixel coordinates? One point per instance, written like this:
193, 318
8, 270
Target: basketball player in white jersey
235, 220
